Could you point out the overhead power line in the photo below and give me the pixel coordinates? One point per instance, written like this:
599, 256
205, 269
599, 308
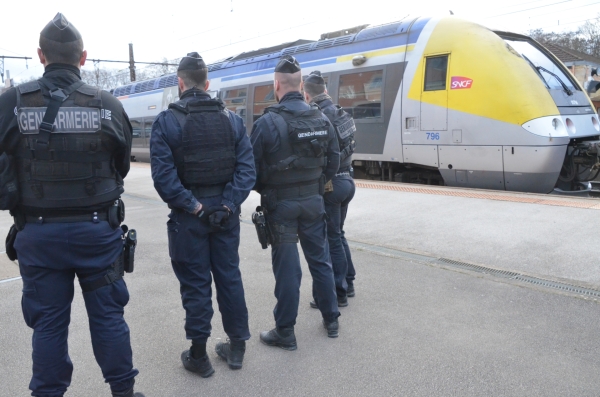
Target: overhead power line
566, 9
528, 9
11, 57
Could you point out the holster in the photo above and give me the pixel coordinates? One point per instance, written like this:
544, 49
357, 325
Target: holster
259, 218
129, 244
116, 213
10, 243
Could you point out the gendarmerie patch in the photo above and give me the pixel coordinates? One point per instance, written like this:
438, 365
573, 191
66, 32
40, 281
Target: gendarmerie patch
68, 120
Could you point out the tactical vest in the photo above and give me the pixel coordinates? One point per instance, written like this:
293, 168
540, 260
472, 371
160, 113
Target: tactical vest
345, 129
70, 168
303, 146
207, 155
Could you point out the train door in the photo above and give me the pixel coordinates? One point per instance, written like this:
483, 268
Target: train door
434, 97
361, 93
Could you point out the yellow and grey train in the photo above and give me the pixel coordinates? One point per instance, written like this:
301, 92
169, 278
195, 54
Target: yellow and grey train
435, 100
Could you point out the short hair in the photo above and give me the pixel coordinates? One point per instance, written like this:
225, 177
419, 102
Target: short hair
56, 52
313, 89
193, 78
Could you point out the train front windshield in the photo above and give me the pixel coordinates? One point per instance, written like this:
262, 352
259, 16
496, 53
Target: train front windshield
549, 71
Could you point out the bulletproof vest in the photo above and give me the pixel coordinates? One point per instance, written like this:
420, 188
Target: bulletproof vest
345, 129
303, 146
207, 154
65, 163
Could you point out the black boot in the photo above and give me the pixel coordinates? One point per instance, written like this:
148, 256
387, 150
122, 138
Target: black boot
350, 291
127, 393
200, 365
280, 337
232, 351
342, 302
332, 328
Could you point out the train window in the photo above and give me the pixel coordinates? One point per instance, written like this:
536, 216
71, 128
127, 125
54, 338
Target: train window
548, 70
264, 96
360, 94
137, 128
436, 70
235, 100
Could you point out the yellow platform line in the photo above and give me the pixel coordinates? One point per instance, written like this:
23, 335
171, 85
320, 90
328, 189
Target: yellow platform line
511, 197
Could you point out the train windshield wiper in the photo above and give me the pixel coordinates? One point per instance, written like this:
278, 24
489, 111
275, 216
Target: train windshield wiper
564, 86
536, 71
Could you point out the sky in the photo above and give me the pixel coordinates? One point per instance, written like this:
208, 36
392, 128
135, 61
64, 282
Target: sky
221, 28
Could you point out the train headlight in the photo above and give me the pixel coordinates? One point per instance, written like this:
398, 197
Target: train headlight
596, 124
571, 126
559, 126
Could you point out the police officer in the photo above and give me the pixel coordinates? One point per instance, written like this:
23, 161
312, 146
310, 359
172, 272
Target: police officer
296, 151
202, 166
337, 200
71, 143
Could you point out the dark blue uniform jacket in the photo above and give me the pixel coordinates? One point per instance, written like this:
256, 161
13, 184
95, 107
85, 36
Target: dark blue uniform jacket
166, 138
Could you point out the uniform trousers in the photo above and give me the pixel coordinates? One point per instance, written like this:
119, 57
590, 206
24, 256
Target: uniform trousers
50, 256
336, 206
306, 216
197, 252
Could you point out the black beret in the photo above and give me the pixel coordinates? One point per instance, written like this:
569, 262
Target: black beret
61, 30
315, 78
287, 64
192, 61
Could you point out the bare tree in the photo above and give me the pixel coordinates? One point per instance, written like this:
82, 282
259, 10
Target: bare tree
585, 39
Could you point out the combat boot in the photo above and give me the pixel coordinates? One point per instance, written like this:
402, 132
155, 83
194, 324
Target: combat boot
200, 365
232, 351
341, 300
332, 328
280, 337
350, 291
127, 393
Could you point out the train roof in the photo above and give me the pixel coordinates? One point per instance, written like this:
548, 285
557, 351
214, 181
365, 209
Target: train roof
329, 40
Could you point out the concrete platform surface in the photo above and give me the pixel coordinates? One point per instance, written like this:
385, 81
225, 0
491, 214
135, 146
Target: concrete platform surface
414, 329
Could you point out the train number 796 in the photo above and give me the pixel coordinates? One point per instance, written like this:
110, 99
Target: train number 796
433, 136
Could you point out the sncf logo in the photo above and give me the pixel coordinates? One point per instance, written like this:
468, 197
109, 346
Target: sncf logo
460, 83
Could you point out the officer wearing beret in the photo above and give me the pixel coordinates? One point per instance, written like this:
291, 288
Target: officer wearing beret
71, 143
296, 152
337, 200
203, 168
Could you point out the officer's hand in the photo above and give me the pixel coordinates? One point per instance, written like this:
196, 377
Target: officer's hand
205, 213
219, 218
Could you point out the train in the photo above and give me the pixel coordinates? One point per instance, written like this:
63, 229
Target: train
436, 100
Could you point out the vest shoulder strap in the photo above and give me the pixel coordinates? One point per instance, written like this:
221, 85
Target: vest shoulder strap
29, 87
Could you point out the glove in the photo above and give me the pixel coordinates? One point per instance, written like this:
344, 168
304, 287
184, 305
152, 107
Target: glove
204, 214
219, 218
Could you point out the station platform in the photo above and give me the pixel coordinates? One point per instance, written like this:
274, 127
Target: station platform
459, 292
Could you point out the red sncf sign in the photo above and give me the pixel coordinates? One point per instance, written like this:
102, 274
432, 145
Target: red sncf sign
460, 83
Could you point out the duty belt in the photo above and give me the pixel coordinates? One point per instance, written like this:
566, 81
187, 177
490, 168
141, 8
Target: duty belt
343, 174
297, 191
207, 191
92, 217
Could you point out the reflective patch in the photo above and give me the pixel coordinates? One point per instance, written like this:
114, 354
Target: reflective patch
310, 134
346, 129
68, 120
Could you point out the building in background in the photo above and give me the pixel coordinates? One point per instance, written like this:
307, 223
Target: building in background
584, 67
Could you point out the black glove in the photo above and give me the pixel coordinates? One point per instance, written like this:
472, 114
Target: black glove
219, 218
205, 213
